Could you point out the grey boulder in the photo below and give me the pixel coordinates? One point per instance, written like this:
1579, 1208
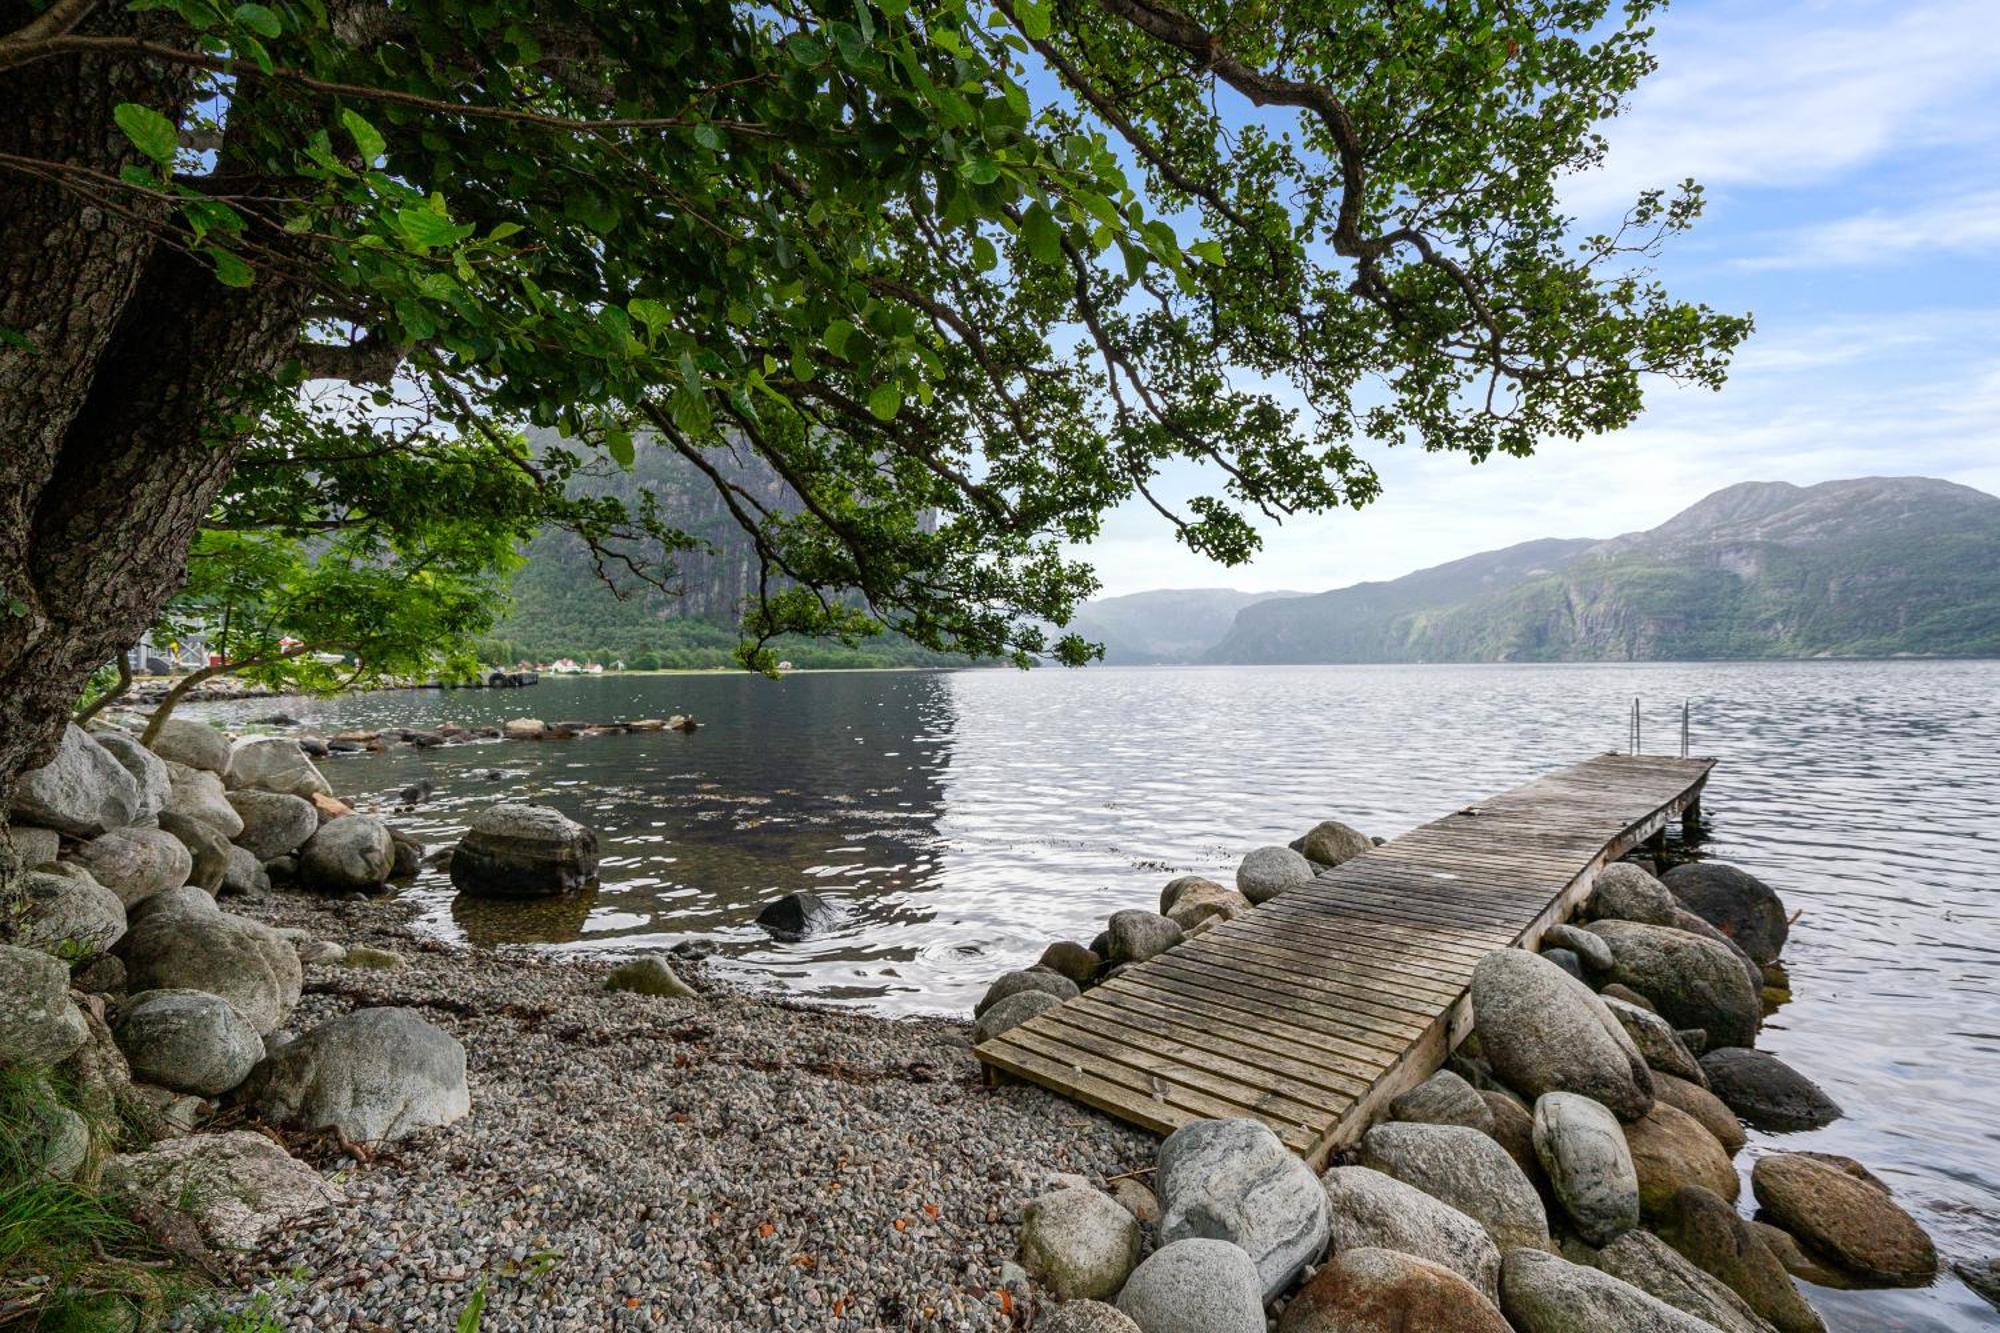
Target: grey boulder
205, 845
238, 1187
195, 744
245, 874
1692, 982
148, 770
1011, 1012
1027, 979
1443, 1099
526, 851
38, 1025
372, 1075
1592, 951
1196, 900
71, 916
34, 846
1330, 842
1367, 1209
136, 863
353, 852
1582, 1151
1086, 1317
1137, 935
1233, 1180
1657, 1041
1542, 1030
1624, 892
1767, 1092
82, 791
245, 962
1735, 902
1269, 871
1079, 1243
1195, 1286
1543, 1294
189, 1041
274, 823
274, 763
1643, 1260
1467, 1170
199, 794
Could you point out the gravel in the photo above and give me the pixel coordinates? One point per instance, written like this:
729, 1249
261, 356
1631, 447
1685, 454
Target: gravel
728, 1162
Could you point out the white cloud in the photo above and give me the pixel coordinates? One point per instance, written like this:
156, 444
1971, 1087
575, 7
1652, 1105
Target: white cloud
1969, 223
1796, 94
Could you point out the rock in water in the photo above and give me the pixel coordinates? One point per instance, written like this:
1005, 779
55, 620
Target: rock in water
1195, 1286
791, 917
1138, 935
83, 791
1656, 1268
1028, 979
1467, 1170
274, 823
1079, 1243
1543, 1031
1735, 902
1705, 1107
1012, 1012
1443, 1099
1766, 1091
239, 1186
38, 1025
207, 849
195, 744
1692, 982
1670, 1149
536, 851
1852, 1222
1707, 1231
148, 770
1331, 842
1383, 1291
245, 962
274, 763
1067, 958
1656, 1039
651, 975
1624, 892
1367, 1209
350, 854
70, 915
1544, 1294
1233, 1180
189, 1041
373, 1075
1191, 901
1582, 1148
1269, 871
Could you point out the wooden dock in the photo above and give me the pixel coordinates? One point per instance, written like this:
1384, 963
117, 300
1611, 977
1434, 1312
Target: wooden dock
1316, 1009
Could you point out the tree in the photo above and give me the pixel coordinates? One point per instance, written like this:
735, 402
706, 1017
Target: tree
965, 273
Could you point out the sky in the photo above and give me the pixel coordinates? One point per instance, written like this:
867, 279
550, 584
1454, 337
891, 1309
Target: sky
1850, 151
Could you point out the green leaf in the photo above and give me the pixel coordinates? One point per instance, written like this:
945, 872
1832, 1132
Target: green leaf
618, 443
426, 228
837, 334
366, 137
885, 400
653, 314
150, 132
709, 137
1034, 16
230, 270
979, 170
259, 20
1208, 250
1043, 234
984, 257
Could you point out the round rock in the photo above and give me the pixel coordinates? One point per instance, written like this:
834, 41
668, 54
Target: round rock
1542, 1030
1269, 871
1067, 958
245, 962
1766, 1091
189, 1041
82, 791
1852, 1222
72, 916
1658, 1043
1704, 1106
1735, 902
1467, 1170
199, 794
1645, 1261
274, 763
136, 863
1383, 1291
1543, 1294
524, 851
1138, 935
239, 1187
274, 823
1692, 982
1195, 1286
195, 744
1011, 1013
651, 975
1583, 1152
148, 770
1232, 1180
1079, 1243
373, 1075
1028, 979
1707, 1230
1367, 1209
205, 844
1670, 1149
38, 1024
1086, 1317
351, 853
1443, 1099
1330, 842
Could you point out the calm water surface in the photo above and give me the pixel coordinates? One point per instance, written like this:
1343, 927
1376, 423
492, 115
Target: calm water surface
962, 820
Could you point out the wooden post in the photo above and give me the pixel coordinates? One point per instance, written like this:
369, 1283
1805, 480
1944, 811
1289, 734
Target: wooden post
1691, 821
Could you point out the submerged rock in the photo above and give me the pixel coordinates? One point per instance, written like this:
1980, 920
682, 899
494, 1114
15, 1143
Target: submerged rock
1849, 1220
1234, 1180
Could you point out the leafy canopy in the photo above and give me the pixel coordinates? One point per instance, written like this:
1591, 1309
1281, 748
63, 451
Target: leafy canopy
965, 273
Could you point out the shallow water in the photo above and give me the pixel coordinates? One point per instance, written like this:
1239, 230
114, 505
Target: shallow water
962, 820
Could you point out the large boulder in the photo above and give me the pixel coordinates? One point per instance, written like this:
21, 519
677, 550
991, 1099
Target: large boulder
245, 874
1542, 1030
1735, 902
524, 851
239, 1187
1191, 900
1011, 1012
351, 853
1766, 1091
1544, 1294
207, 848
1137, 935
1383, 1291
1086, 1317
245, 962
1330, 842
1027, 979
136, 863
1233, 1180
148, 770
1670, 1149
274, 763
1367, 1209
1645, 1261
1582, 1150
274, 823
1704, 1106
1706, 1229
1195, 1286
83, 791
1624, 892
1443, 1099
1658, 1043
1591, 951
1067, 958
182, 899
199, 794
196, 744
1692, 982
1850, 1220
70, 916
189, 1041
372, 1075
1467, 1170
34, 846
1079, 1243
38, 1024
1269, 871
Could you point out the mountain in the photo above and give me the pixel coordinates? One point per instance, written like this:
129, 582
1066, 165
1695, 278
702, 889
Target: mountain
1167, 625
1876, 566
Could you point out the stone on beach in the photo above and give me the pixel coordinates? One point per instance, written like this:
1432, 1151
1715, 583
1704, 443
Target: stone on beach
1011, 1013
1195, 1286
1735, 902
83, 790
1384, 1291
1086, 1317
1027, 979
274, 823
348, 854
525, 851
1137, 935
1467, 1170
71, 914
1849, 1220
34, 846
1707, 1230
1582, 1149
1233, 1180
1269, 871
196, 744
1443, 1099
245, 873
1594, 953
373, 1075
1767, 1092
1544, 1294
135, 863
1658, 1043
1330, 842
1544, 1031
245, 962
1692, 982
274, 763
1369, 1209
199, 794
189, 1041
1656, 1268
207, 848
1079, 1243
38, 1024
1624, 892
651, 975
148, 770
237, 1186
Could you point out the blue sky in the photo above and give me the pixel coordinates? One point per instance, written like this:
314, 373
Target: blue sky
1851, 154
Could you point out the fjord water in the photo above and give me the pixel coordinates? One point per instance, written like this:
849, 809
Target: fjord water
959, 821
